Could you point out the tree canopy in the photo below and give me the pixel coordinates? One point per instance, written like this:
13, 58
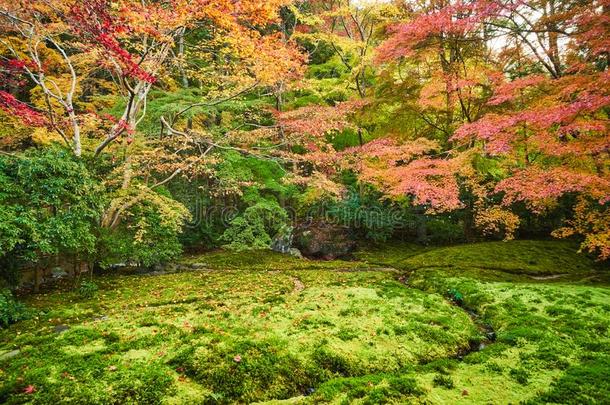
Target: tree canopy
127, 124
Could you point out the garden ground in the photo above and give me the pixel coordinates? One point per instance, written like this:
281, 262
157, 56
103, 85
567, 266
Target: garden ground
494, 322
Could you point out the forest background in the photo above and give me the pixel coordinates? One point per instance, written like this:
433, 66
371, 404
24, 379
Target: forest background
133, 130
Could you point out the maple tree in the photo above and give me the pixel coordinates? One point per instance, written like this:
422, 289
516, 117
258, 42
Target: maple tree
545, 129
133, 42
349, 29
549, 129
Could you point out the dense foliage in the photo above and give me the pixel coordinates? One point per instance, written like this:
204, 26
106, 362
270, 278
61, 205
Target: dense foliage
11, 310
49, 205
135, 129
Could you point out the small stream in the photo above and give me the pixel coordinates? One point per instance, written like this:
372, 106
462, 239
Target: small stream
487, 331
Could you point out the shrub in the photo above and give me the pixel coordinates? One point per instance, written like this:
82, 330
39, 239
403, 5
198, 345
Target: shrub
366, 214
443, 231
11, 310
87, 289
148, 229
49, 205
255, 227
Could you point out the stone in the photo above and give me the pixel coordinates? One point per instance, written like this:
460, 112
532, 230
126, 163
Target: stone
58, 272
159, 267
156, 273
171, 268
282, 241
323, 240
295, 252
198, 266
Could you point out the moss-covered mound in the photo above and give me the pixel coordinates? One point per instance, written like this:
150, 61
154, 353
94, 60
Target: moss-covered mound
225, 336
264, 327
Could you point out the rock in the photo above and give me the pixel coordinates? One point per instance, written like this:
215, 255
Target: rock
171, 268
198, 266
101, 318
298, 285
156, 273
295, 252
159, 267
58, 272
309, 391
282, 241
60, 328
9, 355
324, 240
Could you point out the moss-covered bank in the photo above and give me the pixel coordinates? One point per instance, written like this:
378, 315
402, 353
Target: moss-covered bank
265, 327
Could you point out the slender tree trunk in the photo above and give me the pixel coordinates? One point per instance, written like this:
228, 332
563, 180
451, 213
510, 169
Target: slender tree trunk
185, 80
75, 134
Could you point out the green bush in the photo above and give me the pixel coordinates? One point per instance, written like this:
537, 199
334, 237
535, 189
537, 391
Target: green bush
87, 289
11, 310
444, 231
238, 208
148, 232
364, 212
49, 205
255, 227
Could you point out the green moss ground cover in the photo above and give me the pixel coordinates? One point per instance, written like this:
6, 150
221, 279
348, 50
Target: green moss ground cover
264, 327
